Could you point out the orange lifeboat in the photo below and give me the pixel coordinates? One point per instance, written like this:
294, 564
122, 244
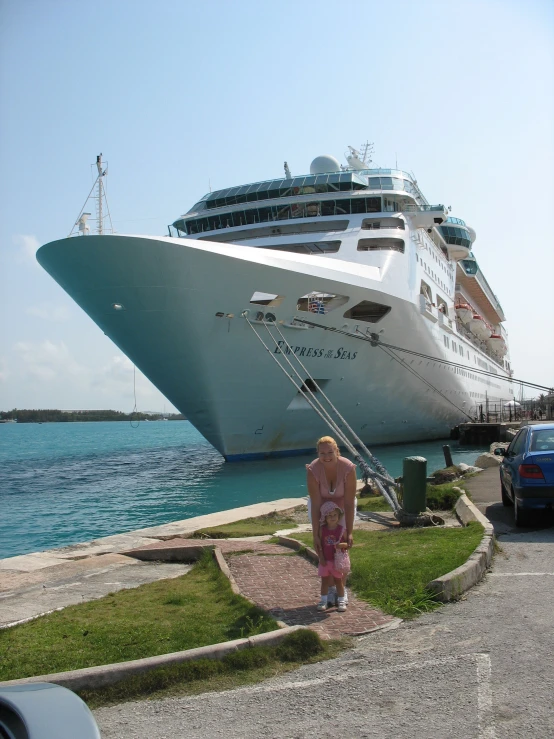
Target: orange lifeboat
478, 326
464, 312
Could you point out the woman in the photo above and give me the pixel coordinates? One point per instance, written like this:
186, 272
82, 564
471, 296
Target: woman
331, 477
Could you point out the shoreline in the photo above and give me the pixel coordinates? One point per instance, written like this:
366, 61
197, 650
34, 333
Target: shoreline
116, 543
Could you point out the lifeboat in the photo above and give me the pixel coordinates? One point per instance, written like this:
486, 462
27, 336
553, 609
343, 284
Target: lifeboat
464, 312
496, 343
478, 327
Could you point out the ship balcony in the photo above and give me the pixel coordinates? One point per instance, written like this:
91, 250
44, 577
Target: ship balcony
427, 309
445, 322
425, 216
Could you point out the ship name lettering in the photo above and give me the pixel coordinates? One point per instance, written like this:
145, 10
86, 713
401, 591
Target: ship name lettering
310, 351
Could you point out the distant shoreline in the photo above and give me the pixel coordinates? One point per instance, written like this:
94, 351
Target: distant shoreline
57, 416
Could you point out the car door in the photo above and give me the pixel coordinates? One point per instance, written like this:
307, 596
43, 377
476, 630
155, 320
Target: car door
512, 458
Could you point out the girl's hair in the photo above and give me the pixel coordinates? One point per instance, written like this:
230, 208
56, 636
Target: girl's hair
327, 440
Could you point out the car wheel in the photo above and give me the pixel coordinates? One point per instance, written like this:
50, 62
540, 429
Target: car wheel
521, 517
506, 500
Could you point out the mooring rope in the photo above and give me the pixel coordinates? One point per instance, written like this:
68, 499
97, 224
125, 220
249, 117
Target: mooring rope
383, 480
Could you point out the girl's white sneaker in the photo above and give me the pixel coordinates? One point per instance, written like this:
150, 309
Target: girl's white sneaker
341, 607
322, 605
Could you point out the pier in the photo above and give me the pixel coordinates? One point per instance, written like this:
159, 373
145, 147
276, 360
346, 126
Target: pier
483, 433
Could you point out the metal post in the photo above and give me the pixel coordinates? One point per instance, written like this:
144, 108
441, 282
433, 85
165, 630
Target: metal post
447, 455
414, 479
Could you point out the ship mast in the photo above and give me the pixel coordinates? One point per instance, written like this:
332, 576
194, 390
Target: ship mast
98, 194
100, 218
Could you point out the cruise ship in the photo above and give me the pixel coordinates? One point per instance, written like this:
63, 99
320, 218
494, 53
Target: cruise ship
348, 273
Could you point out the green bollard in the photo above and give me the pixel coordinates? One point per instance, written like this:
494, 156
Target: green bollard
414, 481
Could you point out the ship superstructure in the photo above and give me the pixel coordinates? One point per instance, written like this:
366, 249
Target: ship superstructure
327, 257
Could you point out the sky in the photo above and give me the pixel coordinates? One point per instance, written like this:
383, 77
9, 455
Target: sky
181, 97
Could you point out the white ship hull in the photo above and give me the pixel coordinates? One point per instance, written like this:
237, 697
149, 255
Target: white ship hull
157, 299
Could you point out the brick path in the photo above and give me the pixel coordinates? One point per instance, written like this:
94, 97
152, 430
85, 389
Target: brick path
286, 585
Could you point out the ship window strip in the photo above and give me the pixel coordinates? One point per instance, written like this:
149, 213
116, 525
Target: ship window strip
283, 212
380, 244
276, 230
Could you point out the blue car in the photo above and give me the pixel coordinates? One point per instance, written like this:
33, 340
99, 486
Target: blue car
527, 472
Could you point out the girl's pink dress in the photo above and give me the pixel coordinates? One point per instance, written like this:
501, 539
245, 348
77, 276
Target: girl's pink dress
329, 538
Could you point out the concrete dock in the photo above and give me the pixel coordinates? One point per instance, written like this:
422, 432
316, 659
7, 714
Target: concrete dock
40, 582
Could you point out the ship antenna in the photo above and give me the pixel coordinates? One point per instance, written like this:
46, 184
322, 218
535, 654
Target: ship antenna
366, 153
97, 193
99, 198
287, 171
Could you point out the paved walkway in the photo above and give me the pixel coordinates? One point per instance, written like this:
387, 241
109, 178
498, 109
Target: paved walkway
283, 583
480, 668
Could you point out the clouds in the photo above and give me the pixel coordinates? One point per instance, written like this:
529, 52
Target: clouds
45, 374
26, 248
49, 311
47, 360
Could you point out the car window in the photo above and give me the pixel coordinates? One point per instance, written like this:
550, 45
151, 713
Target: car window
518, 443
542, 441
510, 448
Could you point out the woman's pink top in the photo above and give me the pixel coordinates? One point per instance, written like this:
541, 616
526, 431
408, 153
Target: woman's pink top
344, 467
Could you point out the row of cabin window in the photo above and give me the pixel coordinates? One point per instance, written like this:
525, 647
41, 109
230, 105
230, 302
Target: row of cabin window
282, 213
319, 247
343, 182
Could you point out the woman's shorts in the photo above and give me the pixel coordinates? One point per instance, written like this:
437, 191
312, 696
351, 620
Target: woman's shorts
329, 569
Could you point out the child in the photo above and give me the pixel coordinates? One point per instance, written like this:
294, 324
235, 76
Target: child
332, 537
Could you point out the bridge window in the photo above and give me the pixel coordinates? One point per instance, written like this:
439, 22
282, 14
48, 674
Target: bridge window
284, 212
309, 247
379, 244
385, 222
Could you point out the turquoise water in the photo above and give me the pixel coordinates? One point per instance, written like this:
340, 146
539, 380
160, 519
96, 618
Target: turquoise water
64, 483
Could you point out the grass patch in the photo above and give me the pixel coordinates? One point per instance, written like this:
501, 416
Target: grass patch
259, 526
375, 503
240, 668
194, 610
443, 497
391, 569
439, 498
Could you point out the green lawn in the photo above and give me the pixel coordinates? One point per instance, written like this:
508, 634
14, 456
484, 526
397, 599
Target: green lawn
374, 503
439, 498
391, 569
193, 610
259, 526
239, 668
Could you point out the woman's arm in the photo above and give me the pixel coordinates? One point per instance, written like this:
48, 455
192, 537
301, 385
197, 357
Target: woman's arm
349, 501
315, 499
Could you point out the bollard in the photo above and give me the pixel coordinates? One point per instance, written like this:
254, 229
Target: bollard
447, 456
414, 480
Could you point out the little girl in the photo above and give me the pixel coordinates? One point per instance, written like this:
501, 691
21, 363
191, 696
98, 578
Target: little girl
332, 537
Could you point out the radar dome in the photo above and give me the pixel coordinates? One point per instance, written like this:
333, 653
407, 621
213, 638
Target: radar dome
324, 164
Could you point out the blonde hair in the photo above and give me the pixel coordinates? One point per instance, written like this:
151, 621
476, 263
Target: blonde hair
327, 440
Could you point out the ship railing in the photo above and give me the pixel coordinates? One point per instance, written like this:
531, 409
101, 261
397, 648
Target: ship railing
477, 343
422, 208
506, 410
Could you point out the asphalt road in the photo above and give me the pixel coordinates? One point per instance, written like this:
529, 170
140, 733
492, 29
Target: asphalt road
480, 668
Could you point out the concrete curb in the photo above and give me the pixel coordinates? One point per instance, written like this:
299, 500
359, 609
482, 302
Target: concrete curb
103, 675
90, 678
310, 553
453, 584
